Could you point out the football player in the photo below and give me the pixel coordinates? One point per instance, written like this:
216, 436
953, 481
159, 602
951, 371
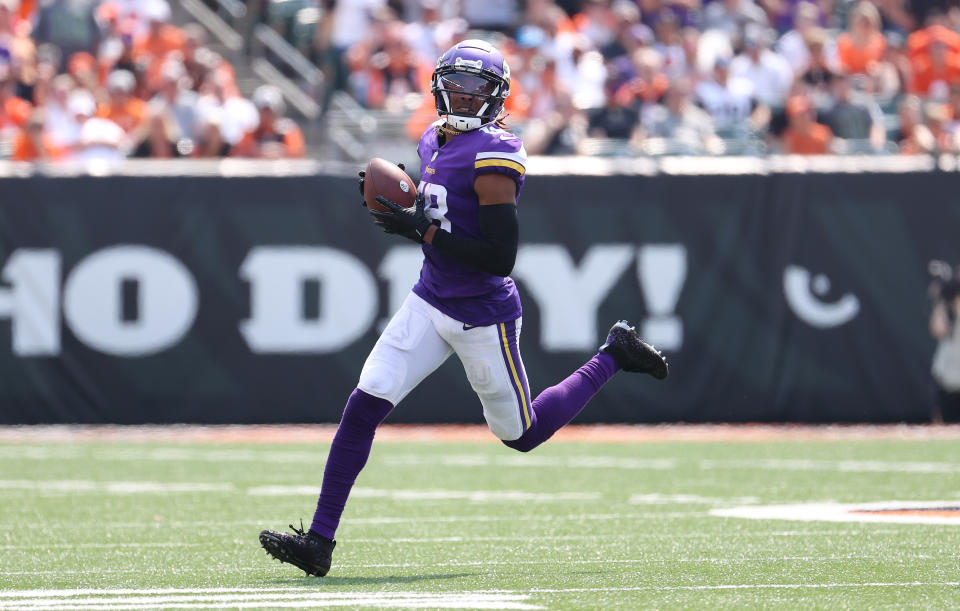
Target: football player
472, 170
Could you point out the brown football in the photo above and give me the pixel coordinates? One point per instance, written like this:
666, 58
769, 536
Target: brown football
387, 179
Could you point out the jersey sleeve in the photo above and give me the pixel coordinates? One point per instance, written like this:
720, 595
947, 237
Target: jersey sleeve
502, 153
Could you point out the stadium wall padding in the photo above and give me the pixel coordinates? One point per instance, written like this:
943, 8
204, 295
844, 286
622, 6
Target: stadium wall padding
777, 297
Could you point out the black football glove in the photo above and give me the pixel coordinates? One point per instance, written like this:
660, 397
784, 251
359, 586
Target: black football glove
363, 176
411, 223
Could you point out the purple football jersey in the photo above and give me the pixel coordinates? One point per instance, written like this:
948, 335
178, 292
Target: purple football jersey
447, 175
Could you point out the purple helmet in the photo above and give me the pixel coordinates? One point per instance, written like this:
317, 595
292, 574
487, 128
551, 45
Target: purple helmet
470, 83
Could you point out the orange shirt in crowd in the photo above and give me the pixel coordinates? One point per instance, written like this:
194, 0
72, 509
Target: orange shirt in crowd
925, 74
128, 116
283, 131
14, 112
858, 59
24, 149
918, 43
153, 47
815, 140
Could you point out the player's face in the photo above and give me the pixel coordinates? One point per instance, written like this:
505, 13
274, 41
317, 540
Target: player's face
467, 92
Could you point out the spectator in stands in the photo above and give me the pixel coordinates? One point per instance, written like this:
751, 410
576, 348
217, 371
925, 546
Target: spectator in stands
98, 138
160, 39
182, 102
14, 111
804, 136
862, 45
158, 136
194, 62
732, 16
209, 141
23, 69
495, 15
32, 143
70, 25
275, 136
83, 68
121, 106
669, 44
935, 69
818, 74
628, 32
643, 81
766, 70
349, 25
619, 118
945, 369
891, 74
394, 72
14, 32
686, 127
937, 120
729, 102
597, 24
59, 120
794, 44
80, 108
854, 117
558, 133
239, 115
39, 91
913, 137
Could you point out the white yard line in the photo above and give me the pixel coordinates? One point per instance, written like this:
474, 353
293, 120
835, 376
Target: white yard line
475, 496
185, 598
849, 466
423, 566
131, 487
272, 522
466, 540
756, 586
171, 544
667, 499
527, 461
885, 512
259, 598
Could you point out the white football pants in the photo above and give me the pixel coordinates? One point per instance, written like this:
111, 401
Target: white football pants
419, 338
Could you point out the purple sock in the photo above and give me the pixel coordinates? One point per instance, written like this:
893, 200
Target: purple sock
348, 454
558, 405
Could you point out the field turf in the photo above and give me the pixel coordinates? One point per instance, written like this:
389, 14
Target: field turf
472, 524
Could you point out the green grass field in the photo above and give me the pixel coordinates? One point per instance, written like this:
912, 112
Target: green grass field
445, 525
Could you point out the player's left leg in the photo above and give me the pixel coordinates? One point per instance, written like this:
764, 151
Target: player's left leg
408, 350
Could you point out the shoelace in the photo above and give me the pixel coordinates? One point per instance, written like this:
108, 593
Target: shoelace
300, 531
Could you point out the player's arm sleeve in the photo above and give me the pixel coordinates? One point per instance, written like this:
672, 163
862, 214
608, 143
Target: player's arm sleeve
495, 251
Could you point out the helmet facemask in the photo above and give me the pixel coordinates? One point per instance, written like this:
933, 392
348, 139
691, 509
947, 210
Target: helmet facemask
468, 93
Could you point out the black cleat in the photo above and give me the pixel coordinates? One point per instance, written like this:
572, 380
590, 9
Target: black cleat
307, 551
632, 353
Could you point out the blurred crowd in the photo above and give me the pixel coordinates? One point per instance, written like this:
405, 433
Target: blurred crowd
672, 76
108, 80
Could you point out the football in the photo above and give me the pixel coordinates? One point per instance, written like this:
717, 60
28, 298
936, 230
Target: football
387, 179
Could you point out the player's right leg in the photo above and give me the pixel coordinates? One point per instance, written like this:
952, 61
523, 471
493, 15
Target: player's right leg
491, 358
408, 351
